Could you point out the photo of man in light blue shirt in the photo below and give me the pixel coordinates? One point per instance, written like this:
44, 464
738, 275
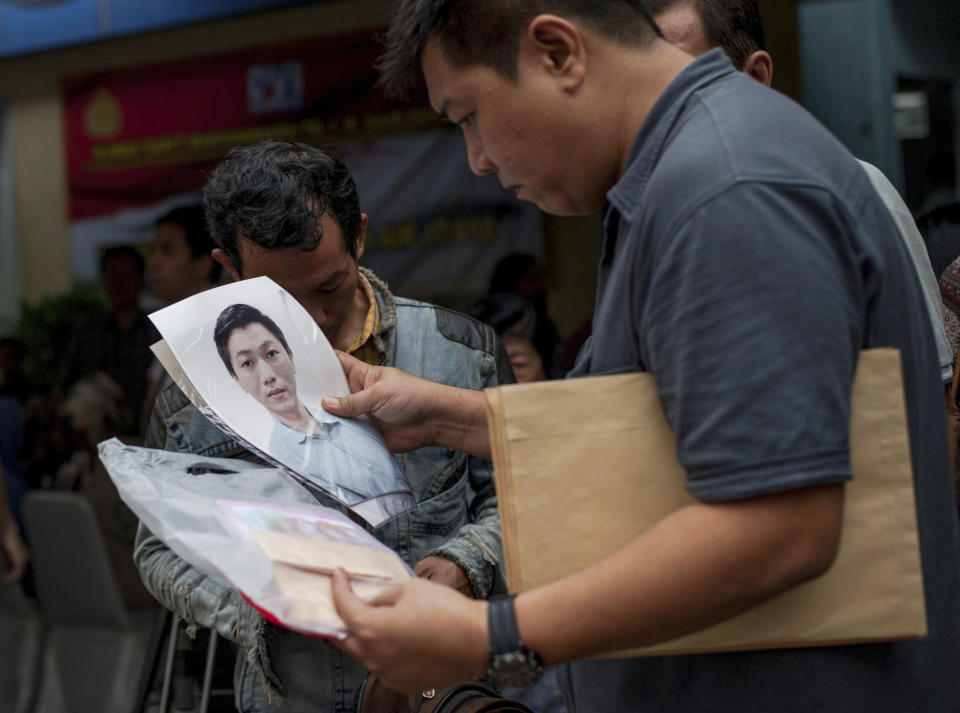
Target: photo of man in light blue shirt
346, 458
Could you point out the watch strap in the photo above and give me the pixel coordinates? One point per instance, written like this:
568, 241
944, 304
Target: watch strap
502, 621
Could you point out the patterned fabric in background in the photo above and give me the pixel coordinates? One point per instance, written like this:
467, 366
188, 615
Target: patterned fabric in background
950, 293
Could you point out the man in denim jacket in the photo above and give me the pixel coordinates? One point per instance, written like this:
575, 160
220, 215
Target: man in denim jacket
285, 211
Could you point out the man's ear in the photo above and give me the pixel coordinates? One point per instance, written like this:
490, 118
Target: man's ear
759, 65
224, 259
558, 46
360, 239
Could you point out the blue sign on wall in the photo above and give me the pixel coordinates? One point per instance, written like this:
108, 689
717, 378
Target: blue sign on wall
37, 25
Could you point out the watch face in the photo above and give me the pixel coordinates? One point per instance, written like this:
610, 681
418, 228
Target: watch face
514, 668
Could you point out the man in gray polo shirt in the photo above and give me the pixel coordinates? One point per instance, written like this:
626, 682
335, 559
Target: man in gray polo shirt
746, 262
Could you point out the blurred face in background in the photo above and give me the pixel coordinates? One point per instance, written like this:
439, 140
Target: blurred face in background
122, 280
172, 270
525, 360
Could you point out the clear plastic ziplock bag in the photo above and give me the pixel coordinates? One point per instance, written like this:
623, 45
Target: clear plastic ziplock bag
254, 529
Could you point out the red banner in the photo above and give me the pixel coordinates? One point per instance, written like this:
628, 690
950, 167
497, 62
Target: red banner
137, 135
142, 139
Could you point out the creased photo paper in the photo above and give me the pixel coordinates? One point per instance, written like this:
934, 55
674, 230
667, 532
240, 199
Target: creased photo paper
257, 365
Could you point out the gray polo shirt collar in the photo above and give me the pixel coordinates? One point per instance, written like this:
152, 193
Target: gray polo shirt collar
650, 142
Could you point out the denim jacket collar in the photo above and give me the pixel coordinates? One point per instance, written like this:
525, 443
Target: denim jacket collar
388, 313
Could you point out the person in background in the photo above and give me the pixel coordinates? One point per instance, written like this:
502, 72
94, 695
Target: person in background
13, 381
941, 232
12, 488
521, 274
14, 550
514, 319
180, 263
14, 394
118, 343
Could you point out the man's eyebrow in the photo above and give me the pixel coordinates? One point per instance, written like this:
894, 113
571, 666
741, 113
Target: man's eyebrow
265, 343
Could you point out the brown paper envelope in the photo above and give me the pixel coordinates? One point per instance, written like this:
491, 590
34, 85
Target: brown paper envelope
583, 466
324, 555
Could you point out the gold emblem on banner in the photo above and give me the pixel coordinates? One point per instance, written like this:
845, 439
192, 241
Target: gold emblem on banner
103, 115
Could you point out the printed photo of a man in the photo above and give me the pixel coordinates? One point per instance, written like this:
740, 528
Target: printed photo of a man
344, 457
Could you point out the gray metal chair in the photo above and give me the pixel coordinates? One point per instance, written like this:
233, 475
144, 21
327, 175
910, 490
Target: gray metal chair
176, 635
96, 654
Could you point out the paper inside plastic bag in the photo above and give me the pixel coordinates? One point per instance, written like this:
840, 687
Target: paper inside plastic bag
254, 529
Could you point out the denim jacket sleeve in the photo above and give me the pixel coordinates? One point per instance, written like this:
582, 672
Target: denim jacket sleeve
477, 547
193, 596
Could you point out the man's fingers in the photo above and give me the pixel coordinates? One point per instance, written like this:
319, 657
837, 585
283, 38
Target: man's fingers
349, 646
386, 598
340, 406
348, 605
356, 373
354, 369
347, 362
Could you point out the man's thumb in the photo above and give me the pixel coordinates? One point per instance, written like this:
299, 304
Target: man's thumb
348, 406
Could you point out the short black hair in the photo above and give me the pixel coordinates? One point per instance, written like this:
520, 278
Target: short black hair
274, 193
509, 315
487, 31
733, 25
236, 317
509, 271
191, 218
122, 252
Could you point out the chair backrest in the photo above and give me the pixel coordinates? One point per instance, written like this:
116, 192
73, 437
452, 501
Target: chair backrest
75, 581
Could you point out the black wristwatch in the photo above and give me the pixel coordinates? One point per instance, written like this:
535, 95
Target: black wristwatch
511, 663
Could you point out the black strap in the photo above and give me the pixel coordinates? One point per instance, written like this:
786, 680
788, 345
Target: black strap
502, 620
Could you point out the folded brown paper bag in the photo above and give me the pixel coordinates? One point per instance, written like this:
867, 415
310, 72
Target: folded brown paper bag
582, 466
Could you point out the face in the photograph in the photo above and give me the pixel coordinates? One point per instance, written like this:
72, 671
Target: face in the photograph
263, 367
